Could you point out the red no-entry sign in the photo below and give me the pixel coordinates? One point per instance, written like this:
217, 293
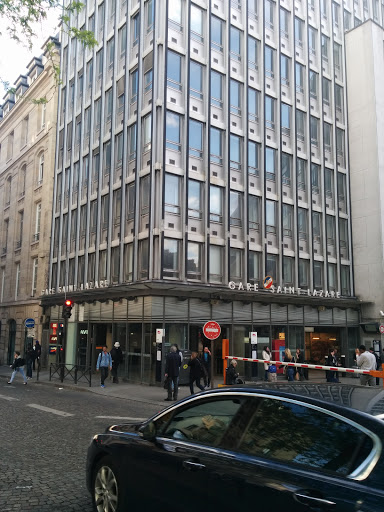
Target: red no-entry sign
211, 330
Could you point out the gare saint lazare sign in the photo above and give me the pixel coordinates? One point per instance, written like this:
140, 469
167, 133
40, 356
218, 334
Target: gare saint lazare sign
283, 290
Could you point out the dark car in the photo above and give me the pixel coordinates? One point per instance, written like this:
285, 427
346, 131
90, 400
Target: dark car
237, 448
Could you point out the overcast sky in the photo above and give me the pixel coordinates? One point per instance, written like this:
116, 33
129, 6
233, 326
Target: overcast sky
14, 57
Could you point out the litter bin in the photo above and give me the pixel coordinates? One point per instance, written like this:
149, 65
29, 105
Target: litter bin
184, 369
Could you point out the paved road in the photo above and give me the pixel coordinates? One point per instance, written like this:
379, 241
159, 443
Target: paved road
44, 437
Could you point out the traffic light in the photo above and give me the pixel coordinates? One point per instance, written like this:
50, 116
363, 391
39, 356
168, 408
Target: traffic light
67, 309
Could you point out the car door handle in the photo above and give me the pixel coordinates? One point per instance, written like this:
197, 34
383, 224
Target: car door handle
193, 466
313, 501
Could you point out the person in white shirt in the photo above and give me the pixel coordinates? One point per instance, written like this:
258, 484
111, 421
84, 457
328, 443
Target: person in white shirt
365, 361
267, 357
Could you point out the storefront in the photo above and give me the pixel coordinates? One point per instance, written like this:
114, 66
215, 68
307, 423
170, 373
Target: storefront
312, 323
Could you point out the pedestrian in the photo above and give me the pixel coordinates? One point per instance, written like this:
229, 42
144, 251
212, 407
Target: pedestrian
332, 361
117, 358
104, 361
17, 367
37, 354
365, 361
178, 351
300, 359
195, 373
267, 357
232, 375
272, 373
172, 372
378, 364
206, 360
29, 356
290, 370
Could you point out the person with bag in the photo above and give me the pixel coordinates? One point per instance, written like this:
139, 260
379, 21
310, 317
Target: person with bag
290, 370
272, 373
299, 359
37, 354
104, 361
17, 367
231, 375
172, 371
195, 373
267, 357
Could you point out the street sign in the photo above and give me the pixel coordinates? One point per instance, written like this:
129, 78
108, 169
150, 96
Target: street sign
159, 335
253, 336
29, 323
211, 330
381, 329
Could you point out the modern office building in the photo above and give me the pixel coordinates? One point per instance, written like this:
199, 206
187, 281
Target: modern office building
202, 173
365, 72
27, 157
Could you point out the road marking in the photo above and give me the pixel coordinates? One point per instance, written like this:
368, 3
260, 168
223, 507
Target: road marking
120, 418
9, 398
48, 409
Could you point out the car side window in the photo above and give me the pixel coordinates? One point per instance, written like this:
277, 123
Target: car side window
294, 433
203, 422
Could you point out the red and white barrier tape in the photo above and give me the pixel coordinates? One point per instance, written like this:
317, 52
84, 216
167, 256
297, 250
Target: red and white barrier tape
302, 365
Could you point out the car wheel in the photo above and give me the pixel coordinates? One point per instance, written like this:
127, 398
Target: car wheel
108, 494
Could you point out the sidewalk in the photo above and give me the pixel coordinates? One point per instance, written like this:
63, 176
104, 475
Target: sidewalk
363, 398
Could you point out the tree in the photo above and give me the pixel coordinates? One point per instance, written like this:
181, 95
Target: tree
21, 15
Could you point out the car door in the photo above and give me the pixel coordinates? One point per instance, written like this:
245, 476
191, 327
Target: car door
294, 456
186, 464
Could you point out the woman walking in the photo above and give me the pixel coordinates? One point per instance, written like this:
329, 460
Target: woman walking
288, 358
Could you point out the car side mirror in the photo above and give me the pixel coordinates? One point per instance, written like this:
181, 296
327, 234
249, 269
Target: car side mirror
148, 431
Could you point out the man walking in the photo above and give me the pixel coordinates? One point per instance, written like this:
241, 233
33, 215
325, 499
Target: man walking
117, 358
172, 369
378, 364
17, 367
37, 354
195, 372
365, 361
104, 361
206, 360
29, 358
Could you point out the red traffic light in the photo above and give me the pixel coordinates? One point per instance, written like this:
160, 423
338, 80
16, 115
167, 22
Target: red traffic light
68, 303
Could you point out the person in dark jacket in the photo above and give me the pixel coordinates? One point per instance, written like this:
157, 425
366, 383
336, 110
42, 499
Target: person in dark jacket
29, 356
300, 359
332, 361
206, 360
17, 367
117, 358
231, 375
195, 372
172, 370
37, 354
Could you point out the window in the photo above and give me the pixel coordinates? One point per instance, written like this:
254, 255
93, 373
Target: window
37, 222
35, 265
11, 137
19, 240
270, 112
270, 216
285, 64
272, 266
288, 272
318, 275
315, 176
286, 169
132, 142
216, 34
216, 89
287, 220
172, 194
254, 212
196, 80
216, 149
147, 132
174, 70
43, 114
173, 131
130, 200
337, 58
299, 30
324, 47
270, 164
235, 97
343, 235
269, 57
150, 15
269, 13
342, 189
235, 152
345, 280
194, 261
23, 174
235, 208
234, 43
284, 23
253, 105
313, 84
135, 31
331, 230
253, 50
148, 81
253, 158
128, 262
302, 223
299, 75
300, 125
194, 199
254, 259
24, 132
216, 204
329, 185
340, 141
286, 119
110, 54
175, 14
312, 40
326, 91
303, 273
339, 99
316, 227
134, 81
17, 283
235, 263
122, 42
118, 151
216, 263
332, 276
314, 131
327, 133
171, 256
195, 139
197, 29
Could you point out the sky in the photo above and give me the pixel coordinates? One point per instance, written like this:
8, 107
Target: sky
14, 56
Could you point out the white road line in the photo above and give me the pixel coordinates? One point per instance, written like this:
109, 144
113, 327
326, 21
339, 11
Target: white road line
120, 418
9, 398
48, 409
